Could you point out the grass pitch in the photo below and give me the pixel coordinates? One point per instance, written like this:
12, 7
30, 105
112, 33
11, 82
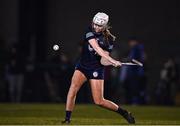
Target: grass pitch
53, 114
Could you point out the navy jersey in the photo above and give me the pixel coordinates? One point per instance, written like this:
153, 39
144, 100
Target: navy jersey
89, 57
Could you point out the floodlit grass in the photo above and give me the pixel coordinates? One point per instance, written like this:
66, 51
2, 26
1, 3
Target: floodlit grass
53, 114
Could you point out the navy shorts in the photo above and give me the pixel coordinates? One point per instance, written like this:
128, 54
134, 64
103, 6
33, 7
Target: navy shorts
97, 73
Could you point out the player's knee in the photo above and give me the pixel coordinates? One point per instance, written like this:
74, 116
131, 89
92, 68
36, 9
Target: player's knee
74, 87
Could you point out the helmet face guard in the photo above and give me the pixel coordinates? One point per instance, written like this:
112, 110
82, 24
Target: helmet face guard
100, 21
98, 28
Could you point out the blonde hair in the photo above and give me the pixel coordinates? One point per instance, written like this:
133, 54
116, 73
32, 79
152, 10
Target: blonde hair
108, 35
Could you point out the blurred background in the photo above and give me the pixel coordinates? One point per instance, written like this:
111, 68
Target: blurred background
31, 71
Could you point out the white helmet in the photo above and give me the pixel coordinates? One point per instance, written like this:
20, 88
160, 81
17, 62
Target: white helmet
101, 19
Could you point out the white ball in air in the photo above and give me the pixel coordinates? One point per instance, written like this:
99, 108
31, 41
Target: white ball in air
55, 47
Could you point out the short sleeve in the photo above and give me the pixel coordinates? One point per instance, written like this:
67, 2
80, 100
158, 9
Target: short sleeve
89, 35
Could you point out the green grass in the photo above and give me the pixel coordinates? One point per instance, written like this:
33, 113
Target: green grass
53, 114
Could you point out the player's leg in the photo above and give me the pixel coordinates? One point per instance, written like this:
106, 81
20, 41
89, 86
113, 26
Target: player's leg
97, 88
77, 81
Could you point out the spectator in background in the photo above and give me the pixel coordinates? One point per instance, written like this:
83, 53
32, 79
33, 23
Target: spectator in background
133, 77
58, 77
111, 87
14, 74
167, 86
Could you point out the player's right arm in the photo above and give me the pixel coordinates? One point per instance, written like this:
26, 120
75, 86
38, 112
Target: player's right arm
102, 53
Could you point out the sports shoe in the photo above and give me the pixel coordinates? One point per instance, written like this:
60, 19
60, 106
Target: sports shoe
66, 122
128, 116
